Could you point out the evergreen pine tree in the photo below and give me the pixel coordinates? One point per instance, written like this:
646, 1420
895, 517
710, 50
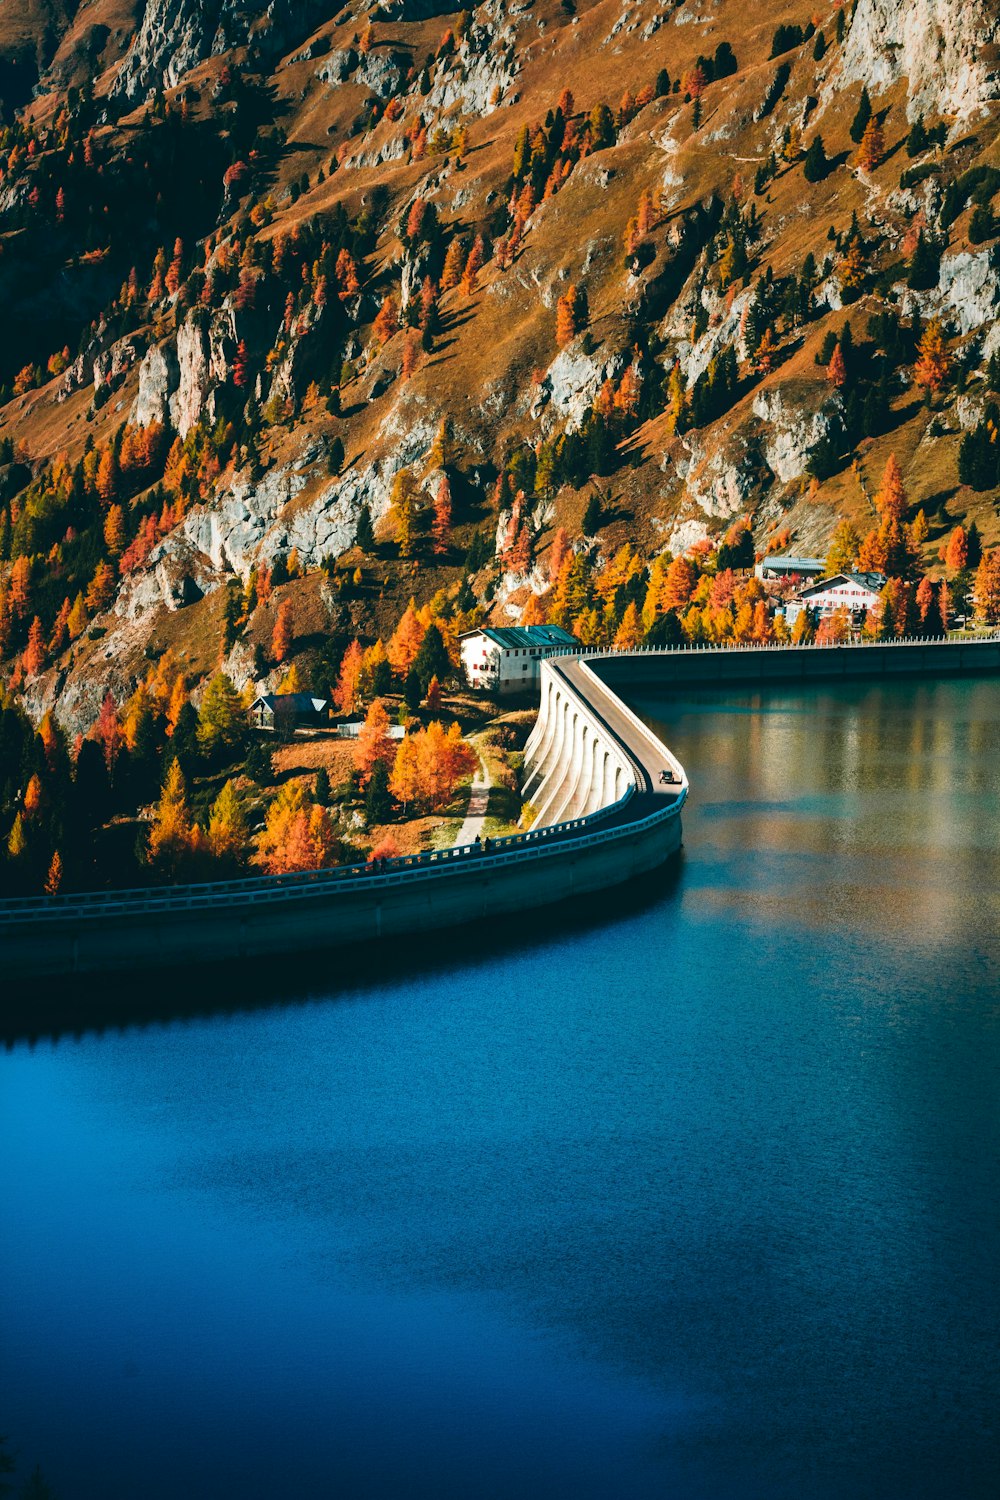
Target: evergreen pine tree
815, 166
366, 533
592, 516
860, 122
378, 802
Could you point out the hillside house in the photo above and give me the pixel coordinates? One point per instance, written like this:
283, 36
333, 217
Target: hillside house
506, 659
286, 712
855, 592
777, 566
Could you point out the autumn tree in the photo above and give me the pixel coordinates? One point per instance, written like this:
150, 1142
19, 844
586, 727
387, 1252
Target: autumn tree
406, 641
473, 266
872, 147
404, 780
890, 501
843, 552
387, 321
114, 530
227, 828
54, 877
373, 743
454, 263
221, 723
107, 475
241, 365
957, 552
411, 353
403, 507
571, 315
101, 590
347, 693
297, 834
441, 524
173, 838
987, 588
933, 361
34, 652
78, 618
836, 370
283, 633
629, 632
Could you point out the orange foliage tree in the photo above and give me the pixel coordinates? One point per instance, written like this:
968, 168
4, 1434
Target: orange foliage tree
406, 640
373, 743
297, 835
933, 360
283, 632
347, 693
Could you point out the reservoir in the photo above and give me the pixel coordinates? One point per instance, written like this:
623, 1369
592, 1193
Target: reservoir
691, 1192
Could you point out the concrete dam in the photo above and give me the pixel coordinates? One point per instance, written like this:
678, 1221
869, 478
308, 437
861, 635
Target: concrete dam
605, 794
608, 798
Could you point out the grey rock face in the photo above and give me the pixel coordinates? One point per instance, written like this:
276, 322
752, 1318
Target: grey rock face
941, 47
175, 35
158, 378
967, 295
573, 380
720, 483
114, 363
178, 574
789, 433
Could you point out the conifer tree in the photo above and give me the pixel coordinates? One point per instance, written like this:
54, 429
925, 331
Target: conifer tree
860, 122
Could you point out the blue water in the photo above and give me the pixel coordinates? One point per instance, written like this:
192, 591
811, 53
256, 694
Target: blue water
695, 1198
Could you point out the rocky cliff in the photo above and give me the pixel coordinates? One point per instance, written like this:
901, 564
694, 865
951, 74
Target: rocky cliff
610, 248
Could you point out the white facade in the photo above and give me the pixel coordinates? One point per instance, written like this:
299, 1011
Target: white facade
855, 592
508, 660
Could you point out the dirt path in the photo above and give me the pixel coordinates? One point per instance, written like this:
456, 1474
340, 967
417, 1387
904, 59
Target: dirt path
475, 817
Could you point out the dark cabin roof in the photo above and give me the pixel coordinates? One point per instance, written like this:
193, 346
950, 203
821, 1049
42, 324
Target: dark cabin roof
291, 703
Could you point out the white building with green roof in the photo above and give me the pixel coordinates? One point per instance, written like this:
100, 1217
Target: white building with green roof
506, 659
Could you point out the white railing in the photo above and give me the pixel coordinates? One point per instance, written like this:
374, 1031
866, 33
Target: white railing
576, 833
594, 653
254, 891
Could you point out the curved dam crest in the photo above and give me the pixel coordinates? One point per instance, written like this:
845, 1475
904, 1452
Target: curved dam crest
606, 796
606, 827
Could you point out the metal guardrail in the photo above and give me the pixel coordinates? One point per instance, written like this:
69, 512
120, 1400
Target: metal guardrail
575, 833
588, 653
255, 891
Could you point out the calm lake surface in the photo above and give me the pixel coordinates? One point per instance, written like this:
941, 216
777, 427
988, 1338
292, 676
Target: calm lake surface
697, 1198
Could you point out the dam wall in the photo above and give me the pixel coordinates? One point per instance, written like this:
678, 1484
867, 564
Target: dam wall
587, 747
575, 766
339, 908
607, 796
600, 827
750, 665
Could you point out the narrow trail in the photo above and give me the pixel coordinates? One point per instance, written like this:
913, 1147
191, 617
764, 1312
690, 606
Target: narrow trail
475, 816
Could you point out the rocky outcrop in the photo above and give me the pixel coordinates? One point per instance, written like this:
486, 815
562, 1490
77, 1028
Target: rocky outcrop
573, 380
719, 482
943, 48
158, 378
247, 522
967, 295
113, 364
477, 77
81, 371
175, 35
789, 431
177, 381
177, 574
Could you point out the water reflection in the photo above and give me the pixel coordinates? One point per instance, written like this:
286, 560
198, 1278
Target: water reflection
697, 1199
